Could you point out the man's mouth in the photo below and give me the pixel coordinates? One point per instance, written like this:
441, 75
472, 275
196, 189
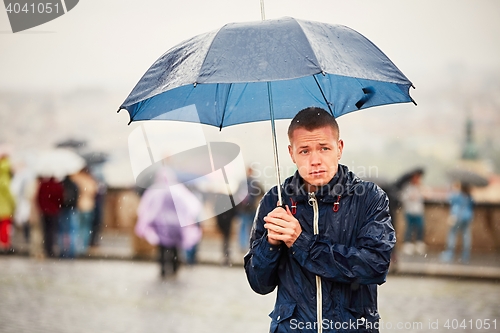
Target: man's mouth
317, 173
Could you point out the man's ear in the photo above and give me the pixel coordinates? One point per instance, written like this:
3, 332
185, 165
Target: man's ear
290, 151
341, 147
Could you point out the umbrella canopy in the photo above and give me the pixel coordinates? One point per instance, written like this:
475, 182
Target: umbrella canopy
59, 163
267, 70
406, 177
71, 144
225, 73
468, 177
96, 157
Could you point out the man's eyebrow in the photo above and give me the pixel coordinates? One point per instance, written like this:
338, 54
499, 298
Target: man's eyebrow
320, 143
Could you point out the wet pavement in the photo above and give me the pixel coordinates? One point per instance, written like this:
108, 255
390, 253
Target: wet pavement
430, 304
125, 296
128, 296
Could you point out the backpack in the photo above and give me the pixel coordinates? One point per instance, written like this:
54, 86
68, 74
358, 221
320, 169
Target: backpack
70, 193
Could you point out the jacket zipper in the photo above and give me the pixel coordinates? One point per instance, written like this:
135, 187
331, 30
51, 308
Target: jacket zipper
319, 297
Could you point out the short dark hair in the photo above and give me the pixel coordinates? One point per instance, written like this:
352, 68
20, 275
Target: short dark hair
312, 118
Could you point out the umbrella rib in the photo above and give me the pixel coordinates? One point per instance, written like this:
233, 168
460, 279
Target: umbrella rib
323, 94
225, 104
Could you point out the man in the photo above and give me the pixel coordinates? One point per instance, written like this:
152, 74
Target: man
330, 246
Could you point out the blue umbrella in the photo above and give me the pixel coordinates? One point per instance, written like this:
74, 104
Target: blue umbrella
267, 70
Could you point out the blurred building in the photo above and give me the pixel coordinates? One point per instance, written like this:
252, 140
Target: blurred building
472, 160
486, 225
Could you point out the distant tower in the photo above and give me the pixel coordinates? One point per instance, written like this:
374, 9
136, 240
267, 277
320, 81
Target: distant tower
470, 151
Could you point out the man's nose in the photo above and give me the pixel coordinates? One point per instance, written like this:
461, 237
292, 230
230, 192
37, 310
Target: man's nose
315, 158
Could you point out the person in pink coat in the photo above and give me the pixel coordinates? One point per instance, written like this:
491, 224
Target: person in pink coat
167, 216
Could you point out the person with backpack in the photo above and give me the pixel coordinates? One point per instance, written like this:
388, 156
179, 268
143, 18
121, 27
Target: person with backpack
460, 220
86, 200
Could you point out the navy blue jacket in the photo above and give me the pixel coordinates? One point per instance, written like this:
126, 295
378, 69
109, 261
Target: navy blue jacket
340, 264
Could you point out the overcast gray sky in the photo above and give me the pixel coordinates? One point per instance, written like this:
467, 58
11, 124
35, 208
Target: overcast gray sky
111, 43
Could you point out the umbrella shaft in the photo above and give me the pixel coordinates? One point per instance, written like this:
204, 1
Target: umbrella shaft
275, 143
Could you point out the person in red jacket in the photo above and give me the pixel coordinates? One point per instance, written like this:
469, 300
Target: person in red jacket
7, 204
49, 199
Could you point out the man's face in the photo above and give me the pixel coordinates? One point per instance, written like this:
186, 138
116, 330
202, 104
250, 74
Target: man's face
316, 154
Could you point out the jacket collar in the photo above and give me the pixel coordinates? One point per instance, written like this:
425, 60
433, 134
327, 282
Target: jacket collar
341, 184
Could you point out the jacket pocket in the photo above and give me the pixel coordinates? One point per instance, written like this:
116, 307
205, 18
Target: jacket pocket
281, 313
361, 303
366, 319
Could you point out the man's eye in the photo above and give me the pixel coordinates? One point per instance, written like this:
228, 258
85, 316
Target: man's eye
325, 148
303, 151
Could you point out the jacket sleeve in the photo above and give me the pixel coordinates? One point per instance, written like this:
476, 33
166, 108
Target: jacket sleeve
367, 262
262, 260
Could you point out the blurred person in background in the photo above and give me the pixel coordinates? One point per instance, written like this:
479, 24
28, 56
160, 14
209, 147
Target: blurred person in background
225, 216
159, 219
413, 207
7, 204
246, 209
96, 170
23, 188
192, 237
69, 223
49, 198
393, 194
460, 220
87, 191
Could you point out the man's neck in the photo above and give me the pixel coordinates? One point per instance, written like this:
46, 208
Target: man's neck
310, 188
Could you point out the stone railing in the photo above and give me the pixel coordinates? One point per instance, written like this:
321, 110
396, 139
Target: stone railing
121, 206
485, 226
